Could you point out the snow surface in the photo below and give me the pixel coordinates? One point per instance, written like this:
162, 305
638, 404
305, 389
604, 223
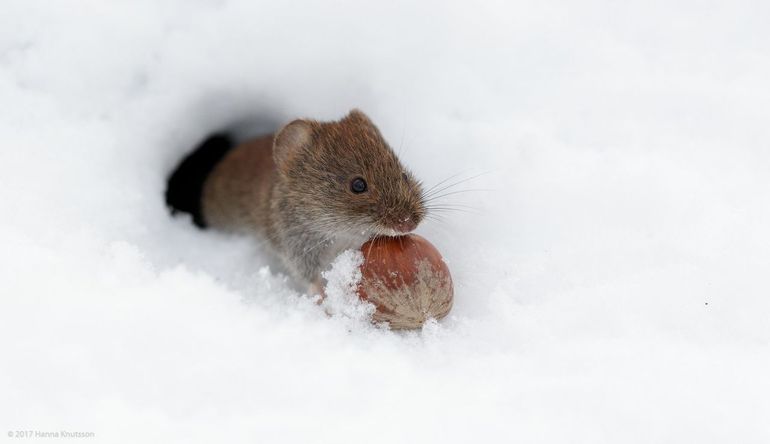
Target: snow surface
611, 282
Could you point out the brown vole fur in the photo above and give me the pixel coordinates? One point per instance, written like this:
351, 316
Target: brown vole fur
296, 189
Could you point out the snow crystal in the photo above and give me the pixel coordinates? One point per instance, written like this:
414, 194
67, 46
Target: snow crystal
342, 279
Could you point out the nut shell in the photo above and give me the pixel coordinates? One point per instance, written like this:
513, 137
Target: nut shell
406, 279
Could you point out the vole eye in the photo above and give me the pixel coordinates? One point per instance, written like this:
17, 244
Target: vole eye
405, 176
358, 185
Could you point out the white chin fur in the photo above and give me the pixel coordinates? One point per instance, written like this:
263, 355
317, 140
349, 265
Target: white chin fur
377, 231
389, 232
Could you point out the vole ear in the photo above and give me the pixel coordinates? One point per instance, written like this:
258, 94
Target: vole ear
289, 142
356, 115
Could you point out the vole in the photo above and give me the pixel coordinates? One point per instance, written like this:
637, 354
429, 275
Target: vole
312, 190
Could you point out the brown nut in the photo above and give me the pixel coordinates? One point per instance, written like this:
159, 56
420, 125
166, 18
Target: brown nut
406, 279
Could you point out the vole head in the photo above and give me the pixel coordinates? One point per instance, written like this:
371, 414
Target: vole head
346, 176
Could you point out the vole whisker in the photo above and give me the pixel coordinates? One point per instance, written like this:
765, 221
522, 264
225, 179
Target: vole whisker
449, 205
435, 190
450, 193
442, 182
461, 210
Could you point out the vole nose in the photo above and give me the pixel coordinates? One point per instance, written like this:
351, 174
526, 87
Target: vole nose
405, 225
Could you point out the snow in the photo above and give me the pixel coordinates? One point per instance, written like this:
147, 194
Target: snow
611, 276
340, 297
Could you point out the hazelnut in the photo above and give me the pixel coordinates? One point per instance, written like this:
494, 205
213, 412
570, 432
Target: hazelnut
406, 279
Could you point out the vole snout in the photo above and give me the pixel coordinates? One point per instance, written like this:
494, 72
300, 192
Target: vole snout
403, 219
405, 226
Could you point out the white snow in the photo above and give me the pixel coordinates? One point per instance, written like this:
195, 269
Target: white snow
340, 297
611, 281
